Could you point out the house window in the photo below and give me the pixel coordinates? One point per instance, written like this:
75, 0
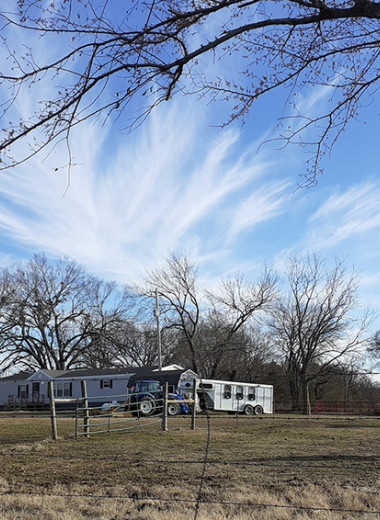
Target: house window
105, 383
63, 389
23, 391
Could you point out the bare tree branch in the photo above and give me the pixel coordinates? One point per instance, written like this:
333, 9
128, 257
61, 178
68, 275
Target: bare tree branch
111, 57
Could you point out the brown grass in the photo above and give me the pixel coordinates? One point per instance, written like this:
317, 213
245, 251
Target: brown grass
258, 468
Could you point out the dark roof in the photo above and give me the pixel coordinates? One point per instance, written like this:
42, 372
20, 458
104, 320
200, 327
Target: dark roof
53, 373
88, 372
171, 376
18, 376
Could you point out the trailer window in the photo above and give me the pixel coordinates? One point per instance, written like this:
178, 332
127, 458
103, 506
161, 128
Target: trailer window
251, 394
106, 383
206, 386
227, 392
239, 392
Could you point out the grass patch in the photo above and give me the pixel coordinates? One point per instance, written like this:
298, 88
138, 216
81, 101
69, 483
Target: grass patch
257, 467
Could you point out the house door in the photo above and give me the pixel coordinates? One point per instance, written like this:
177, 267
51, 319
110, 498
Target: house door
36, 392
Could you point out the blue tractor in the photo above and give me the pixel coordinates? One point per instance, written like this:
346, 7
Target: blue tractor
147, 398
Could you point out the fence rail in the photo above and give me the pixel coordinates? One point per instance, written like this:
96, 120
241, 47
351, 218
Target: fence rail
132, 412
361, 407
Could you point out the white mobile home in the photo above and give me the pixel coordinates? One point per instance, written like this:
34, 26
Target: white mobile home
31, 389
230, 396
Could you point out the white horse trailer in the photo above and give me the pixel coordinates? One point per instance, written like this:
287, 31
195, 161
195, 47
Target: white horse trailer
230, 396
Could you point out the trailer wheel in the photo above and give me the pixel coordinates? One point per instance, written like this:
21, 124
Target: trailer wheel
146, 406
248, 410
258, 410
173, 409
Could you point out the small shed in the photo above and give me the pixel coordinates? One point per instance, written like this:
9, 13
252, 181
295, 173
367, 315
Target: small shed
173, 376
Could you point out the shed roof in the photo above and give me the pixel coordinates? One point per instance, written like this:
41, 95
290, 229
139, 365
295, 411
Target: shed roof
172, 377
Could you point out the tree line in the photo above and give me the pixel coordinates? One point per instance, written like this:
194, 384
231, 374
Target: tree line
302, 330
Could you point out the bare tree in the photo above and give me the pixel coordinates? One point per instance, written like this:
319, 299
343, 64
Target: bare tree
176, 285
55, 313
243, 357
137, 345
236, 303
109, 56
208, 322
316, 325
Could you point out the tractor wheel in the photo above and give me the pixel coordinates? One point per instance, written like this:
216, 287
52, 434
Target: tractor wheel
258, 410
173, 409
146, 406
248, 410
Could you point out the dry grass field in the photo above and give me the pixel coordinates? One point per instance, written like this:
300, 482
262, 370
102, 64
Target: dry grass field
257, 468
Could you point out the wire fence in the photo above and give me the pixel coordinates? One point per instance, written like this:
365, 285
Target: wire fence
196, 501
86, 416
29, 427
208, 424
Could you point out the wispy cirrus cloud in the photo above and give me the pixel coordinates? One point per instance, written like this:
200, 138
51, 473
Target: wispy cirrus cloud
129, 203
264, 203
348, 215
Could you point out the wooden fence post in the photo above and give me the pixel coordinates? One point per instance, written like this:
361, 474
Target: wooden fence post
86, 417
165, 408
76, 420
53, 415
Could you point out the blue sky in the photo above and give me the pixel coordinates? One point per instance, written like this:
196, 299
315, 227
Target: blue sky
180, 183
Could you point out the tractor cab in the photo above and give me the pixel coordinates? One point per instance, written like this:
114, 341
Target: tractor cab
149, 387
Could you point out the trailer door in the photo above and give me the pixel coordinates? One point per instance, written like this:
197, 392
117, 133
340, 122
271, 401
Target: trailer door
265, 398
225, 397
268, 400
237, 397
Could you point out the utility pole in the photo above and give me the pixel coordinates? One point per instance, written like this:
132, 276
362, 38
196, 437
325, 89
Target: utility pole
157, 314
